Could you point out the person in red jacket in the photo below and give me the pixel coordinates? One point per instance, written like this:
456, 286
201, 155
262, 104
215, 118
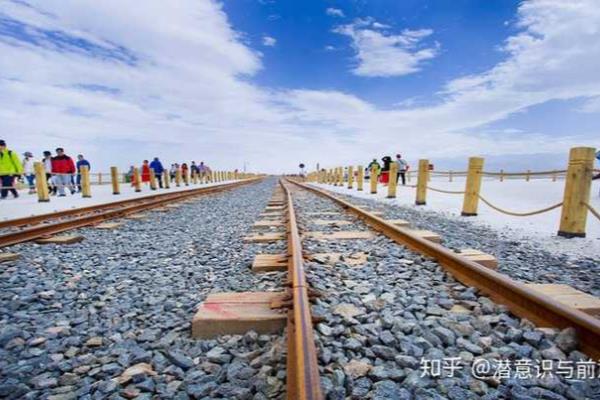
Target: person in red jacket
63, 169
145, 172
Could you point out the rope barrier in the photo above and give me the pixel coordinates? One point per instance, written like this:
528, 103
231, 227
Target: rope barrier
445, 191
594, 212
518, 214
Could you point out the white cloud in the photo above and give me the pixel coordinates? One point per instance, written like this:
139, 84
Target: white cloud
382, 54
269, 41
334, 12
183, 90
591, 106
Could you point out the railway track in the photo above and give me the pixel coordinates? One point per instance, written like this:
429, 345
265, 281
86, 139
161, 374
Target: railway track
522, 301
30, 228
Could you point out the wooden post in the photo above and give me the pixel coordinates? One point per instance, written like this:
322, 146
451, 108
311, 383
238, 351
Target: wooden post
178, 177
114, 173
578, 185
99, 178
152, 179
186, 178
450, 176
527, 175
501, 175
472, 188
360, 177
422, 183
167, 179
554, 176
392, 180
86, 191
137, 179
373, 179
350, 177
41, 184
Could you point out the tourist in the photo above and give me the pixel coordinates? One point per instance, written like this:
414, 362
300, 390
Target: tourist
29, 171
157, 166
81, 162
63, 169
402, 168
10, 168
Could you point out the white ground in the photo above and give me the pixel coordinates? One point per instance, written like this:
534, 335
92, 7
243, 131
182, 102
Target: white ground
513, 195
27, 204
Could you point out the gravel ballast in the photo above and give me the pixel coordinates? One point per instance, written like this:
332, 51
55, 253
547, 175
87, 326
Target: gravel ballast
74, 318
383, 318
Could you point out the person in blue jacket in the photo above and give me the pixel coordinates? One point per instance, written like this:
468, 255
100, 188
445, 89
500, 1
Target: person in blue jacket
81, 162
156, 165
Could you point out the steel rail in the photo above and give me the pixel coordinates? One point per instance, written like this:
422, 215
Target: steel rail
303, 381
97, 214
35, 219
539, 308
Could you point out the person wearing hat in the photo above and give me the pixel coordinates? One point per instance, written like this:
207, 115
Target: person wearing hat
10, 167
47, 161
28, 170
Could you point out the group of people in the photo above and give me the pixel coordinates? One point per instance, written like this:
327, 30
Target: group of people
383, 171
200, 170
61, 171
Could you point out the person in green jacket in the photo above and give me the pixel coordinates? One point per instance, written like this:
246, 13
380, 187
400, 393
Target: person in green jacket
10, 168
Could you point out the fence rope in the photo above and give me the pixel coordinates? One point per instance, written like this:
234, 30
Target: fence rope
594, 212
518, 214
445, 191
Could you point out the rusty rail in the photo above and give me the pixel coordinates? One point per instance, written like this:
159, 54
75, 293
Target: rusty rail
303, 380
541, 309
102, 212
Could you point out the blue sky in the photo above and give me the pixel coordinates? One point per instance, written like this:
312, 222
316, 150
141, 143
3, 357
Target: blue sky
272, 83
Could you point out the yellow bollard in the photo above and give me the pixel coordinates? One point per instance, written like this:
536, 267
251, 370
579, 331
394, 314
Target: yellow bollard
166, 179
472, 188
501, 175
360, 177
373, 179
341, 176
527, 175
114, 174
392, 180
85, 182
350, 177
421, 199
578, 185
178, 177
41, 184
137, 179
186, 177
152, 179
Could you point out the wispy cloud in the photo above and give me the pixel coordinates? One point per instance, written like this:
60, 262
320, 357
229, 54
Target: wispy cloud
269, 41
382, 54
190, 94
335, 12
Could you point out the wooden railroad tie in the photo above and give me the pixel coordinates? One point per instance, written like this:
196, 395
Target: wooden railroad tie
262, 224
341, 235
4, 257
330, 222
139, 216
264, 237
427, 235
109, 225
274, 208
398, 222
269, 262
238, 313
60, 239
569, 296
487, 260
324, 213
